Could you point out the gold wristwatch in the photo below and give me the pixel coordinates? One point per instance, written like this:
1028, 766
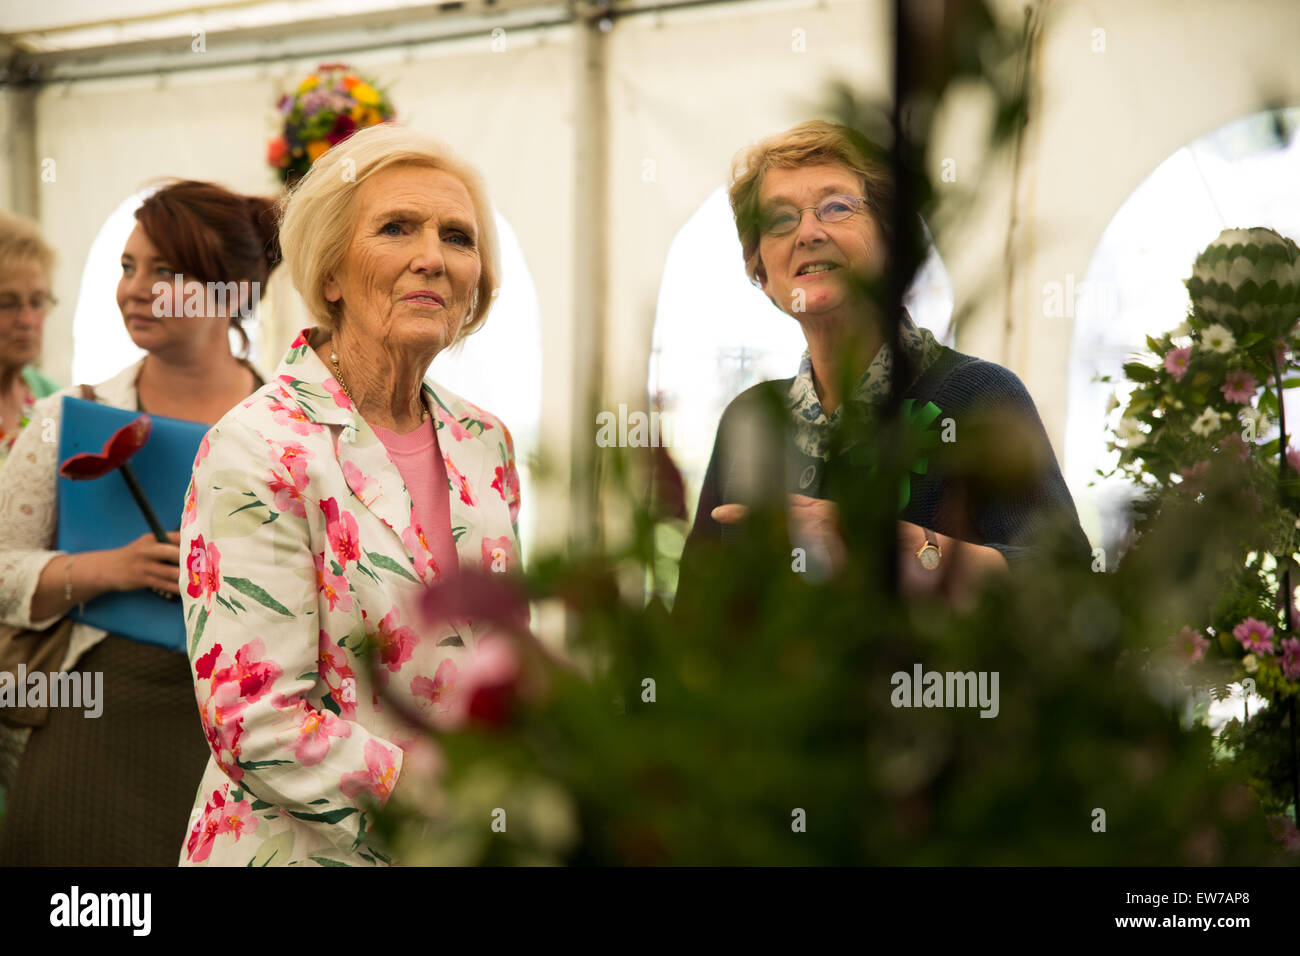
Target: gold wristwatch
930, 553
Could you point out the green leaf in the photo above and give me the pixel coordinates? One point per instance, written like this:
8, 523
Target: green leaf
1139, 372
388, 564
326, 861
261, 764
261, 805
198, 630
249, 589
329, 816
281, 843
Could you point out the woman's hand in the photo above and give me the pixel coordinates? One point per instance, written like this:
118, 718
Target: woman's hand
144, 563
962, 566
815, 523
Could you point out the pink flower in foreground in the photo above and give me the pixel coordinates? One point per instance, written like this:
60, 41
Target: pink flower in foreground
1291, 658
1284, 831
1255, 636
1239, 386
489, 685
1191, 644
1177, 361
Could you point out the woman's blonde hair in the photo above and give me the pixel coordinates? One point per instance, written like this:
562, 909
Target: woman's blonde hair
807, 144
318, 213
21, 241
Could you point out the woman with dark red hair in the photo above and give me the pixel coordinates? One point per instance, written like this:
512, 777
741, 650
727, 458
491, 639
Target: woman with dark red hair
118, 789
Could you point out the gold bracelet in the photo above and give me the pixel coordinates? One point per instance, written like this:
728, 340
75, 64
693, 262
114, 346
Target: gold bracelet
67, 579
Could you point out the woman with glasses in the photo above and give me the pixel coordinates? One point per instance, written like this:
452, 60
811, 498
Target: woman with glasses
813, 213
116, 788
25, 263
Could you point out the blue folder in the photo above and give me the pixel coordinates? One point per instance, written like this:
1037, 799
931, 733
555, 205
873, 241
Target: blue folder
101, 513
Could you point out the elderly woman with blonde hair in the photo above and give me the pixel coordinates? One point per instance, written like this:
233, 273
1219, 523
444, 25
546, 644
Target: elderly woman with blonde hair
322, 509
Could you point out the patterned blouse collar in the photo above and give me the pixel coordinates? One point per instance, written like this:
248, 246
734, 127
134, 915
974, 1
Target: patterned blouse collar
813, 427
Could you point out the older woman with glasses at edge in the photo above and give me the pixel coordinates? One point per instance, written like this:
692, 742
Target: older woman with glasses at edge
25, 264
322, 510
812, 212
25, 298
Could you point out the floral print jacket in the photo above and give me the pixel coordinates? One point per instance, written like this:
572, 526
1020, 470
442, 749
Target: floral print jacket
300, 551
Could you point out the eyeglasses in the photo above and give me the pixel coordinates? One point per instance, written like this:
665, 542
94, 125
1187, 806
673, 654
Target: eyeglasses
11, 305
783, 220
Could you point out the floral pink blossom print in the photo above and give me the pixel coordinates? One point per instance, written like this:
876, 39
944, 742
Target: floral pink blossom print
342, 530
219, 817
203, 570
377, 779
332, 585
315, 728
497, 554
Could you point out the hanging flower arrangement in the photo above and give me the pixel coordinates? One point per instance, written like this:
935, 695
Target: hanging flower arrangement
327, 107
1206, 421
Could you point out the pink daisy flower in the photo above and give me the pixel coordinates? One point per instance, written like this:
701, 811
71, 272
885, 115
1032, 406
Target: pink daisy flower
1255, 636
1177, 362
1191, 644
1239, 386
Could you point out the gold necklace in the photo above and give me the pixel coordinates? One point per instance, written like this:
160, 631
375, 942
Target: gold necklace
334, 360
